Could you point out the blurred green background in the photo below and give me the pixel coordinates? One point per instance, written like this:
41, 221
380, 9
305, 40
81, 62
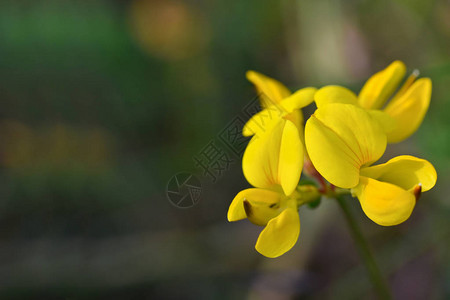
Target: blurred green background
102, 102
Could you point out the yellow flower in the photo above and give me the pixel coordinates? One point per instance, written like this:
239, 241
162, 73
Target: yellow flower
274, 155
273, 162
272, 209
270, 90
343, 141
276, 97
278, 213
402, 116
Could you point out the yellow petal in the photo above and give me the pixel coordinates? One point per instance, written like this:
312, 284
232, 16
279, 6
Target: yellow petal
261, 157
409, 110
384, 203
264, 206
236, 210
271, 91
291, 158
340, 138
330, 155
258, 205
267, 118
296, 117
335, 94
264, 120
299, 99
280, 234
274, 157
386, 121
380, 86
405, 171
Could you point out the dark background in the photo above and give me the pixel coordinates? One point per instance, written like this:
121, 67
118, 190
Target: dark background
102, 102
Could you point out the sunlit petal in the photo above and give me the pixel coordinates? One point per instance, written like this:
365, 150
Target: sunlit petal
334, 94
271, 91
384, 203
288, 108
405, 171
386, 121
280, 234
261, 157
299, 99
236, 210
258, 205
381, 86
340, 138
263, 121
291, 158
275, 157
296, 117
330, 155
409, 110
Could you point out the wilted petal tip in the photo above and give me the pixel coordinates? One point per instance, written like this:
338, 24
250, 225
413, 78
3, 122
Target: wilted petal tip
247, 208
417, 191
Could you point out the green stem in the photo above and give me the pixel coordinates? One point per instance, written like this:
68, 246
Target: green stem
364, 251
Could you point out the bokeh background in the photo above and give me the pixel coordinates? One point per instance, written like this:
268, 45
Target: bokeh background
102, 102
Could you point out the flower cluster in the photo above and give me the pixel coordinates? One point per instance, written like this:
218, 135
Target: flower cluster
337, 146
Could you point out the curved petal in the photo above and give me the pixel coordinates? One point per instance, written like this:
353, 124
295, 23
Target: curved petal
291, 158
405, 171
264, 120
299, 99
236, 210
380, 86
334, 94
288, 108
258, 205
331, 157
275, 157
386, 121
261, 157
280, 234
409, 110
384, 203
340, 138
296, 117
271, 91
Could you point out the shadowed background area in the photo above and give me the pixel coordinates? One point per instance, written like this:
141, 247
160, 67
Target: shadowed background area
103, 102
